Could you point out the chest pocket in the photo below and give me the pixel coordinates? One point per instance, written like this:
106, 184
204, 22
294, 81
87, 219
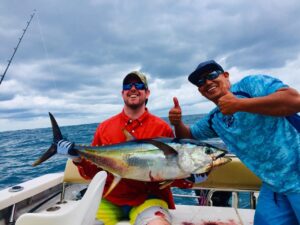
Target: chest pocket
293, 119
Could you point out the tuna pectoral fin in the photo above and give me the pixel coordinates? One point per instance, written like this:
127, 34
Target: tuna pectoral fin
167, 149
165, 184
50, 152
114, 183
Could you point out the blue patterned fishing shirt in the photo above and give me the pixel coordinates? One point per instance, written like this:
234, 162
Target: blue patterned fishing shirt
269, 146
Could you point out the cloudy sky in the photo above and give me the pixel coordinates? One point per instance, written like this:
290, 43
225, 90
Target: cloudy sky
75, 54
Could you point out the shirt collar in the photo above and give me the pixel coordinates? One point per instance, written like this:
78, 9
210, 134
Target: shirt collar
140, 119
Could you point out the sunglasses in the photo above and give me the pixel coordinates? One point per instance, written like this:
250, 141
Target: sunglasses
211, 76
137, 85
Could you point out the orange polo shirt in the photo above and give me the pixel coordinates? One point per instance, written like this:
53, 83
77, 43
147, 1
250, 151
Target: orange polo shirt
129, 192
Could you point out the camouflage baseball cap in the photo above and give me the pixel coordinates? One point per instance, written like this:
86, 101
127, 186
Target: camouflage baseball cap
136, 74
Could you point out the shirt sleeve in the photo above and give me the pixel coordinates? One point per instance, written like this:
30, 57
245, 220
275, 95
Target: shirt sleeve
201, 129
97, 140
260, 85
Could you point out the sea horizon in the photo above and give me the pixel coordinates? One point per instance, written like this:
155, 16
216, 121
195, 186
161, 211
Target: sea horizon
164, 118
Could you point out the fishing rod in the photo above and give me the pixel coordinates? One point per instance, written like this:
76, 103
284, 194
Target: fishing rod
16, 48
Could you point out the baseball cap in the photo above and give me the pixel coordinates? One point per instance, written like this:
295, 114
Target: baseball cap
204, 68
136, 74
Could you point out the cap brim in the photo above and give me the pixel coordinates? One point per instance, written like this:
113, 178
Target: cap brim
131, 76
194, 76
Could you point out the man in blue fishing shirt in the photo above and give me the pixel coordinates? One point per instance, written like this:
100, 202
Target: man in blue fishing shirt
257, 120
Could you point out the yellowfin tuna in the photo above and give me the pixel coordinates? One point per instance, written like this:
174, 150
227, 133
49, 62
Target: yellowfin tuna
152, 160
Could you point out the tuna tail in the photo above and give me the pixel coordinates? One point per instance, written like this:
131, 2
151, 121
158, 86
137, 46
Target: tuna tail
57, 136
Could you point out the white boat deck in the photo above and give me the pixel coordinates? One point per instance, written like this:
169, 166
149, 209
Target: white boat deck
207, 215
182, 215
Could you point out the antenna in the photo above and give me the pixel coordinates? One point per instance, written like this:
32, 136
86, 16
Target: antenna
16, 48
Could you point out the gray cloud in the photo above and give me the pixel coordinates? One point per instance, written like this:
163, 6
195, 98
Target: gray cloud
75, 54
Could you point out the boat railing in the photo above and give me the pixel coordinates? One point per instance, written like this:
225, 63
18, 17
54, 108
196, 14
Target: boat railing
233, 177
235, 196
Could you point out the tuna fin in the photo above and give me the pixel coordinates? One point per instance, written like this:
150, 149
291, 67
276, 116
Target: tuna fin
129, 136
112, 186
165, 184
48, 154
57, 136
167, 149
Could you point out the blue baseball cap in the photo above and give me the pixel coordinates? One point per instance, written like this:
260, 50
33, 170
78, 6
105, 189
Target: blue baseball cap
204, 68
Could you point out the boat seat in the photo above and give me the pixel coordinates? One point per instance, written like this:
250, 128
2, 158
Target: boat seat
233, 175
70, 212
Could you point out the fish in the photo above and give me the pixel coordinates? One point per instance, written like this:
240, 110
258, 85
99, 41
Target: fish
150, 160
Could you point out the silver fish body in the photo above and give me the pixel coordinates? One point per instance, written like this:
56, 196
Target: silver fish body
153, 159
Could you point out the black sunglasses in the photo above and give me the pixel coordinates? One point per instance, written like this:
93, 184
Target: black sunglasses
137, 85
211, 76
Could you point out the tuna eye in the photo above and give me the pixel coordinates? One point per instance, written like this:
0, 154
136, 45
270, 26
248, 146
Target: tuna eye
208, 151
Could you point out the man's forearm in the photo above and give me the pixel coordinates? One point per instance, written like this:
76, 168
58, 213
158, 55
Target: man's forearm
284, 102
182, 131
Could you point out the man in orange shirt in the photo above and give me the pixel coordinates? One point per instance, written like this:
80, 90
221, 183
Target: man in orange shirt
142, 202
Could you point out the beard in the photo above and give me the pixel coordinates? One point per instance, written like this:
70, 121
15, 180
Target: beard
135, 106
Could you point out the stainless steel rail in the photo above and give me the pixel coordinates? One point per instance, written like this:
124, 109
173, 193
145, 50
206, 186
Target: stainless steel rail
234, 199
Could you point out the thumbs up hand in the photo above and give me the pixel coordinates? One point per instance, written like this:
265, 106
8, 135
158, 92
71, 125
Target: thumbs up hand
175, 113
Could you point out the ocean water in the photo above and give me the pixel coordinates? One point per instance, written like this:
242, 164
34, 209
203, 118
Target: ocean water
19, 149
